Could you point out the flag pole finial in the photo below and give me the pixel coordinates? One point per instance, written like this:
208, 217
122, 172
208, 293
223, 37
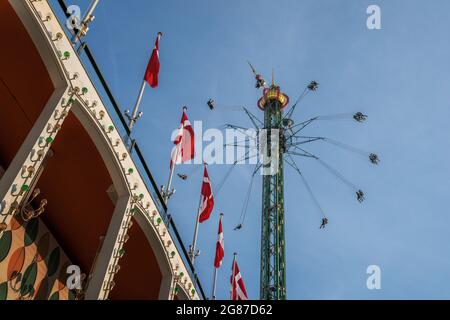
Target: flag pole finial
221, 213
273, 77
184, 108
160, 34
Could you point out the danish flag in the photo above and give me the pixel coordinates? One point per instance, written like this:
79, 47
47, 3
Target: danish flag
207, 199
152, 71
184, 142
219, 246
238, 291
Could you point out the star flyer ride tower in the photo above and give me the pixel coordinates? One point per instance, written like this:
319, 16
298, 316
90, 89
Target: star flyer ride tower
279, 140
273, 258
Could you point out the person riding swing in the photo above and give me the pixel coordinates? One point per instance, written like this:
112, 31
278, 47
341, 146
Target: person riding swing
324, 223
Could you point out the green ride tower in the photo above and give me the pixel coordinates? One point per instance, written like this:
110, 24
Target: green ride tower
273, 257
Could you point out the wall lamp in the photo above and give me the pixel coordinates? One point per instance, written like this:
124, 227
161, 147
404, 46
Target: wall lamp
39, 153
109, 285
27, 171
57, 37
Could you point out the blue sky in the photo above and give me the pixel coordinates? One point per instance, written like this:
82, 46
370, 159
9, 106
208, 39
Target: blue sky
399, 76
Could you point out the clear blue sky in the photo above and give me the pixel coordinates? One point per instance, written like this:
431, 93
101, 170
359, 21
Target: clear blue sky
399, 76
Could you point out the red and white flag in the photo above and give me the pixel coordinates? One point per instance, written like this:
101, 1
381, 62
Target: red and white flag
207, 200
238, 291
220, 249
152, 71
184, 142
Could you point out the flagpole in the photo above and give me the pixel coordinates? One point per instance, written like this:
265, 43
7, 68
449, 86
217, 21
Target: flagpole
87, 19
233, 279
215, 269
192, 250
167, 192
134, 116
214, 284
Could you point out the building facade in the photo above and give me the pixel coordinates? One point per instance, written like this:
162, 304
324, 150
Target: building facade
72, 197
